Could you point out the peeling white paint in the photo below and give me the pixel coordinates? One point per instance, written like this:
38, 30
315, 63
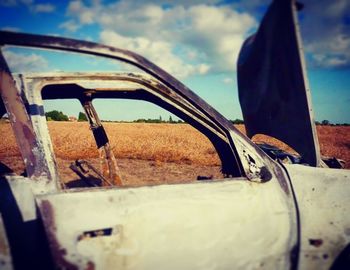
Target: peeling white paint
323, 197
24, 196
222, 225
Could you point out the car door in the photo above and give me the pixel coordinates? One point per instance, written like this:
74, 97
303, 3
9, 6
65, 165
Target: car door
247, 220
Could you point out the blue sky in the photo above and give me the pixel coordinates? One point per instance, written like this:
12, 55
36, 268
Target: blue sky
196, 41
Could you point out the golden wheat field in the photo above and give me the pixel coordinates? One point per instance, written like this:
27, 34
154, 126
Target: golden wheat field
178, 143
139, 148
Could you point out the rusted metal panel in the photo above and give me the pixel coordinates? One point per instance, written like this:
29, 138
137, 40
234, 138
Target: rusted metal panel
35, 111
107, 85
35, 163
274, 92
19, 119
104, 84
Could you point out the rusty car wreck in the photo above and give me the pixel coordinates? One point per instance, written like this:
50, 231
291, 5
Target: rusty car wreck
262, 214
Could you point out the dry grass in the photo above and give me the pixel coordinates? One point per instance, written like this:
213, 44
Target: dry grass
178, 143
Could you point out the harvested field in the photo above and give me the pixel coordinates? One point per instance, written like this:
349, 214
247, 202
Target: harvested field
155, 153
178, 143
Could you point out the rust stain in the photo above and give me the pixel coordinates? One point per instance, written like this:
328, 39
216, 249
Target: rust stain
90, 266
20, 122
57, 251
4, 250
316, 242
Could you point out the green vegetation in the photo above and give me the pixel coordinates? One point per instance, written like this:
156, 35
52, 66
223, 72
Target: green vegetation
56, 116
158, 121
237, 122
329, 123
82, 117
60, 116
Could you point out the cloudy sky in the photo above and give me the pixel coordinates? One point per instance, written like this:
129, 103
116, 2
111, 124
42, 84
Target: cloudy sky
196, 41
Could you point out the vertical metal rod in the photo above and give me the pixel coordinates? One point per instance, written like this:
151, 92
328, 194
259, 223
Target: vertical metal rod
109, 166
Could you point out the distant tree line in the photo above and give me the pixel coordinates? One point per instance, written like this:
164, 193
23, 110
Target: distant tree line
237, 122
56, 116
60, 116
328, 123
158, 121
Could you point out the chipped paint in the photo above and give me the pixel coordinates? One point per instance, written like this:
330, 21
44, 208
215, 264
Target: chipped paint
187, 226
57, 251
131, 82
323, 197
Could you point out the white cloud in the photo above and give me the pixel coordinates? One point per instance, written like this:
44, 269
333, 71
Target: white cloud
44, 8
75, 6
209, 36
331, 60
13, 3
10, 28
8, 3
30, 4
227, 80
25, 62
216, 31
87, 17
70, 26
159, 52
203, 69
84, 15
191, 55
333, 52
27, 2
213, 34
326, 36
324, 27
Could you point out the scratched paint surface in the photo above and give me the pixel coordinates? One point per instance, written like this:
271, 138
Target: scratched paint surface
190, 226
324, 198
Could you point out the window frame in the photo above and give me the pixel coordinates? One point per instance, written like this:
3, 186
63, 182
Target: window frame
252, 162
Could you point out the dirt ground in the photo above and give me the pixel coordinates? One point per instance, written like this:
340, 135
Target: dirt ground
135, 172
150, 154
